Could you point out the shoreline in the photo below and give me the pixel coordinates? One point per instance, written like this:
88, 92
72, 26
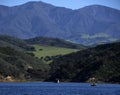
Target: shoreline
24, 81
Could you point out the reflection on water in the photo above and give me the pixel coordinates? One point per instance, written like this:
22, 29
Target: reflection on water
49, 88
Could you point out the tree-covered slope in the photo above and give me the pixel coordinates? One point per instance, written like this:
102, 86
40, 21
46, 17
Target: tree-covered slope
101, 62
16, 43
21, 66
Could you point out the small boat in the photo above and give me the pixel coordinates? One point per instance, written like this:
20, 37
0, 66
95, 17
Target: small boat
93, 81
93, 84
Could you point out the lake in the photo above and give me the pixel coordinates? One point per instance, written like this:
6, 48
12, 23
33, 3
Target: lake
49, 88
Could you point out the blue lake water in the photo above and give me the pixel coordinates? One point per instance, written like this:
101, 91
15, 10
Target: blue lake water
49, 88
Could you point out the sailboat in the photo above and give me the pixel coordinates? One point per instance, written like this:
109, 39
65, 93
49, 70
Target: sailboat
58, 81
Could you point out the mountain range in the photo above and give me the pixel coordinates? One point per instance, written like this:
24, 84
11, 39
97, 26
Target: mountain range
89, 25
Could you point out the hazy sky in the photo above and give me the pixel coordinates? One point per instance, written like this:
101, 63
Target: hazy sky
73, 4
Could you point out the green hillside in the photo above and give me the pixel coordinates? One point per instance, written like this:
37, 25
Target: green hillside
16, 43
43, 51
101, 62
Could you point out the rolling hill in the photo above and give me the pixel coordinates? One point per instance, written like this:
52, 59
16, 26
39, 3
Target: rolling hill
47, 41
49, 48
90, 25
16, 43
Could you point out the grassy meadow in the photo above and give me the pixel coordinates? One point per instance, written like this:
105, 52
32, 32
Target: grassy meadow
42, 51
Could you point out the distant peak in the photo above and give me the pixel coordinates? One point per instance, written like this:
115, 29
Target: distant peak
37, 3
34, 2
96, 6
